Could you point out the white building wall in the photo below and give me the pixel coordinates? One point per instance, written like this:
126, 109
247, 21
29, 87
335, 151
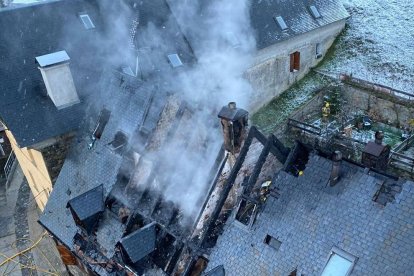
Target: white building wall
270, 75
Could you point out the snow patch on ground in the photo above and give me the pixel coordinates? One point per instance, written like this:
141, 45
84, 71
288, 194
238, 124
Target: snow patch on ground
378, 43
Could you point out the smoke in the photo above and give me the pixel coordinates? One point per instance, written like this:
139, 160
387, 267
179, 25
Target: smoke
220, 36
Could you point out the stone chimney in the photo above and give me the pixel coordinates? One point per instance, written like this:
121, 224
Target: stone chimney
379, 136
58, 79
336, 168
234, 122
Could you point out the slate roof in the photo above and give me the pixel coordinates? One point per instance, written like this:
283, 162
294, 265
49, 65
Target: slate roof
140, 243
88, 204
135, 105
84, 168
310, 218
217, 271
297, 16
33, 31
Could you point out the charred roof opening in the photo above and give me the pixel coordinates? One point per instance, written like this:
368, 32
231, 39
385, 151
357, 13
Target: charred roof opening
246, 212
281, 23
87, 21
119, 142
175, 60
102, 121
87, 208
314, 11
139, 244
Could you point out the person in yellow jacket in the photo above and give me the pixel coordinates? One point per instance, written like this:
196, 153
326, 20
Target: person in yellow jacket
326, 110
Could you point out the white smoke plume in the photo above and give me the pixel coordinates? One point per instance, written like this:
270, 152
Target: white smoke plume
221, 37
223, 42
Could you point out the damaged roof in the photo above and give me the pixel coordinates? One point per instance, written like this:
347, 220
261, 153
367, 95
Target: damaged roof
309, 220
136, 105
140, 243
34, 31
297, 15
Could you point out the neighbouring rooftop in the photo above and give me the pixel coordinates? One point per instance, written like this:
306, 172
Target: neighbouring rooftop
309, 220
25, 107
278, 20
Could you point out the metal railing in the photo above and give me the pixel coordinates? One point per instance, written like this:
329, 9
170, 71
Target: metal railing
9, 164
304, 126
404, 145
402, 161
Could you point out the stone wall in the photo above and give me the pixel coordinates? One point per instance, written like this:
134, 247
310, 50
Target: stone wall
55, 156
270, 75
382, 108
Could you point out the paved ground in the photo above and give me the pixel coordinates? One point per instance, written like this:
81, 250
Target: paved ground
19, 230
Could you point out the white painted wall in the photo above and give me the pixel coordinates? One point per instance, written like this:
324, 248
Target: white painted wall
270, 75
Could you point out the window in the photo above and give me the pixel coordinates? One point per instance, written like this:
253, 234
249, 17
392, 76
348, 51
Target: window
272, 242
127, 70
318, 52
340, 263
232, 39
87, 22
175, 60
314, 11
281, 22
294, 62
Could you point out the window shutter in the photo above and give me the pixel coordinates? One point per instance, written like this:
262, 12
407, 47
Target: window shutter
297, 61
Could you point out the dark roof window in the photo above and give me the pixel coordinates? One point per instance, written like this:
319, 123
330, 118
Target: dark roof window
87, 22
314, 11
272, 242
175, 60
281, 22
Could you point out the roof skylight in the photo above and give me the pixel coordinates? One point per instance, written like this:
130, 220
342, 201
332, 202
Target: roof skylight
175, 60
281, 22
340, 263
87, 22
314, 11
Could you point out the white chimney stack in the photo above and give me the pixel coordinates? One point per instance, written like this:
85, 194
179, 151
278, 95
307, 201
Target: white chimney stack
58, 79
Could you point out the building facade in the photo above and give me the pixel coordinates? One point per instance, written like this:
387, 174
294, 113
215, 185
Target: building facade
291, 39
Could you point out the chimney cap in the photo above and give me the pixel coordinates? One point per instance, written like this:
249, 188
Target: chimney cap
379, 136
337, 156
52, 59
231, 113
